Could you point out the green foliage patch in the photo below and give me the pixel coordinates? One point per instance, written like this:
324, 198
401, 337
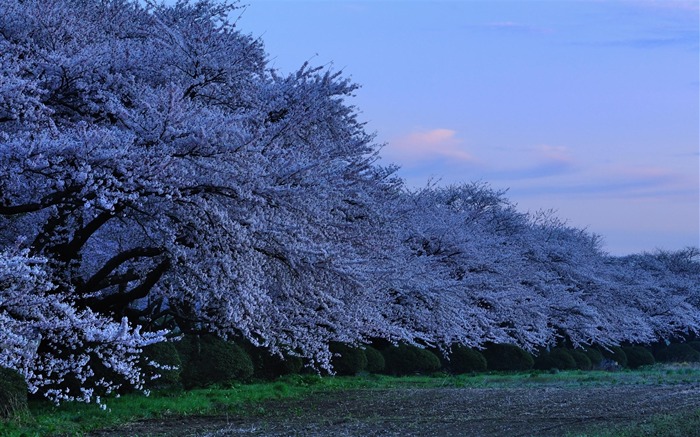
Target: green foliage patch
638, 356
465, 360
583, 362
594, 355
557, 358
347, 360
163, 354
507, 357
268, 366
678, 352
695, 344
407, 359
208, 360
13, 393
375, 360
616, 354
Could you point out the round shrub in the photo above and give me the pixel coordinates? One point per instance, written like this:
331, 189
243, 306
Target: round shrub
13, 393
557, 358
507, 357
208, 360
678, 353
695, 344
466, 360
563, 359
270, 366
638, 356
594, 355
616, 354
582, 360
543, 361
407, 359
375, 360
349, 360
164, 354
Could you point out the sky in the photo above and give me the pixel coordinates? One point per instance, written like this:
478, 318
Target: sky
589, 108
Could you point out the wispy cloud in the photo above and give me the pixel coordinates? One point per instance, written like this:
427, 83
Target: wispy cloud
687, 39
538, 162
621, 182
542, 170
440, 154
554, 153
650, 24
417, 147
538, 170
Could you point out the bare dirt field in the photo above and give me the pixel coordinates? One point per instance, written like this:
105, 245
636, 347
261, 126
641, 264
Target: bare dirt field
538, 411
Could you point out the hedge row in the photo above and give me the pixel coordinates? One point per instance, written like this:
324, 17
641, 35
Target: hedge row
207, 360
201, 361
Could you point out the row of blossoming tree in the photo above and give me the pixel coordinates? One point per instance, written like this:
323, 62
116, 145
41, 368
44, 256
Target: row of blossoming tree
156, 177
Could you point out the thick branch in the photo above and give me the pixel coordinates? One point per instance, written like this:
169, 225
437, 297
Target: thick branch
112, 280
119, 301
211, 189
96, 281
81, 236
46, 201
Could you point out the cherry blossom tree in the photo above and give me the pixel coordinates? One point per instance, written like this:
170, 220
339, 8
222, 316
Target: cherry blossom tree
491, 273
158, 178
166, 176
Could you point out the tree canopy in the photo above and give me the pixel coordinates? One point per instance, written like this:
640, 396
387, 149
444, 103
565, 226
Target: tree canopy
157, 177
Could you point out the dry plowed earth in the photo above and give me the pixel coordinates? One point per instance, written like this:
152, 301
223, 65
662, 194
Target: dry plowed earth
540, 411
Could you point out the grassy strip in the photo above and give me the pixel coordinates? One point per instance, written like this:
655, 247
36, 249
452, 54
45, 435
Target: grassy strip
240, 400
77, 418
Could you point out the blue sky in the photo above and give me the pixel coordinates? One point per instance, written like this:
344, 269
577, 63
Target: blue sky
590, 108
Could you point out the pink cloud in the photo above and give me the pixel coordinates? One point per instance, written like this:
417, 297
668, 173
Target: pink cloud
426, 145
559, 154
642, 172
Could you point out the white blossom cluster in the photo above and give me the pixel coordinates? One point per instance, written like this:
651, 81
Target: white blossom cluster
156, 176
494, 274
52, 343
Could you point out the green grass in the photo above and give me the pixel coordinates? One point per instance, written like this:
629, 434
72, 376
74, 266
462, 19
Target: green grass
76, 418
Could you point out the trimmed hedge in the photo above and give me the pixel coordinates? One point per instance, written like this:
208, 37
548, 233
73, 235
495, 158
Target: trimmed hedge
507, 357
616, 354
583, 362
695, 344
638, 356
678, 352
163, 353
208, 360
557, 358
594, 355
13, 393
465, 360
269, 366
408, 359
349, 360
375, 360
